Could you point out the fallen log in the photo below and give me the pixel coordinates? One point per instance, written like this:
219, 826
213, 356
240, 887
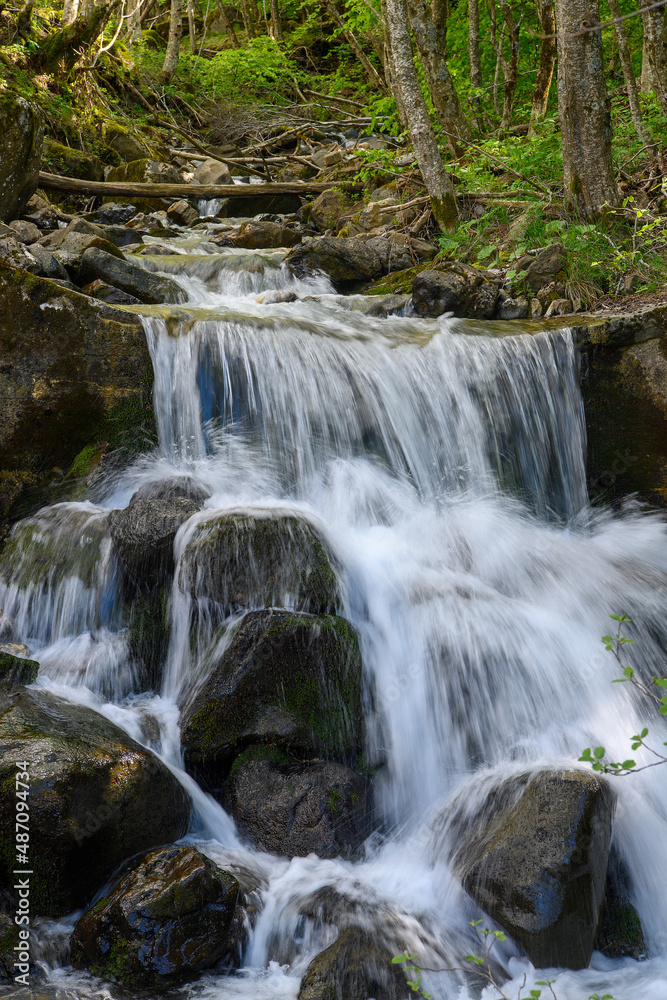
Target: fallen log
127, 189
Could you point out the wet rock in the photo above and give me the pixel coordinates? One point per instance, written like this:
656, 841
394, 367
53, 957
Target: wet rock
38, 211
286, 678
112, 214
536, 862
130, 277
22, 131
393, 257
513, 308
16, 669
620, 933
68, 162
212, 172
461, 289
26, 232
96, 797
68, 247
161, 923
343, 260
181, 213
143, 536
356, 966
17, 649
265, 236
332, 209
107, 293
294, 809
548, 266
259, 558
148, 636
184, 486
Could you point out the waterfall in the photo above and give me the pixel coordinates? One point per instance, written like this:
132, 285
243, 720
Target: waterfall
445, 468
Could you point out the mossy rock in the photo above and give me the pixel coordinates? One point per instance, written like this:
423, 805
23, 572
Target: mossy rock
162, 922
68, 162
14, 670
289, 679
96, 798
22, 129
354, 967
148, 635
258, 558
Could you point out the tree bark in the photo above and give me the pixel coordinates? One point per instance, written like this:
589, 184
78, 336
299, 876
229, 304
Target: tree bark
141, 189
545, 70
174, 43
133, 21
192, 30
65, 46
628, 72
277, 21
655, 49
248, 20
511, 66
430, 34
70, 11
583, 109
437, 180
228, 26
473, 44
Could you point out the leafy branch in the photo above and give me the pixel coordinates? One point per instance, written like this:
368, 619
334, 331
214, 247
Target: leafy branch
596, 756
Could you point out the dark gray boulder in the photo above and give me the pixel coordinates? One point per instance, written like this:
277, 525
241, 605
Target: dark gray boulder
130, 277
163, 921
96, 798
286, 678
356, 966
257, 558
548, 266
256, 235
293, 808
461, 289
17, 669
344, 260
143, 537
536, 862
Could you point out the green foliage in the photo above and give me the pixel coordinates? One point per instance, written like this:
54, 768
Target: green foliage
596, 756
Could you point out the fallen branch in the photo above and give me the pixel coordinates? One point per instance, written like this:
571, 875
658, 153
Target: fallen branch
127, 189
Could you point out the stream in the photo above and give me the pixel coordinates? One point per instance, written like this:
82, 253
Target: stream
445, 465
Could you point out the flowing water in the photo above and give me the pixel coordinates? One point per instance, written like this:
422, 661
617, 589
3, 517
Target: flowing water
446, 468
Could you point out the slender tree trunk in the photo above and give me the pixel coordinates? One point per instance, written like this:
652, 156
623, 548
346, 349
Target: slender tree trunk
248, 21
174, 42
437, 180
228, 26
24, 20
277, 21
511, 67
583, 109
473, 44
655, 49
373, 76
390, 76
430, 34
192, 29
545, 70
628, 72
133, 21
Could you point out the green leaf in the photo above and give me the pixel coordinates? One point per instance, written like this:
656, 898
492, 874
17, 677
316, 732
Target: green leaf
599, 753
628, 765
660, 682
486, 252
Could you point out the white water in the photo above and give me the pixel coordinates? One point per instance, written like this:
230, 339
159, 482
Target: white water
447, 472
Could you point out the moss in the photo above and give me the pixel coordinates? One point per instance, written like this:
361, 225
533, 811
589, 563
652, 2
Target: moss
620, 932
271, 753
398, 283
70, 162
120, 962
149, 633
16, 670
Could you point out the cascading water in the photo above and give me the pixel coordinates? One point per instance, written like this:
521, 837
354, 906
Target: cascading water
447, 473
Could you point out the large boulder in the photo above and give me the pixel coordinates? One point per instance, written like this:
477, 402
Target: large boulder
16, 669
294, 809
461, 289
68, 162
96, 798
162, 922
255, 558
130, 277
22, 131
331, 209
286, 678
345, 261
354, 967
211, 171
549, 265
536, 862
265, 236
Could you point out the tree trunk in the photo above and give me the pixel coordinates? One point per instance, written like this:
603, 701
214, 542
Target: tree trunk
628, 73
133, 21
24, 20
545, 70
390, 76
511, 67
373, 76
228, 26
655, 48
430, 34
174, 43
473, 44
192, 30
277, 22
65, 45
438, 182
583, 109
70, 11
248, 20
